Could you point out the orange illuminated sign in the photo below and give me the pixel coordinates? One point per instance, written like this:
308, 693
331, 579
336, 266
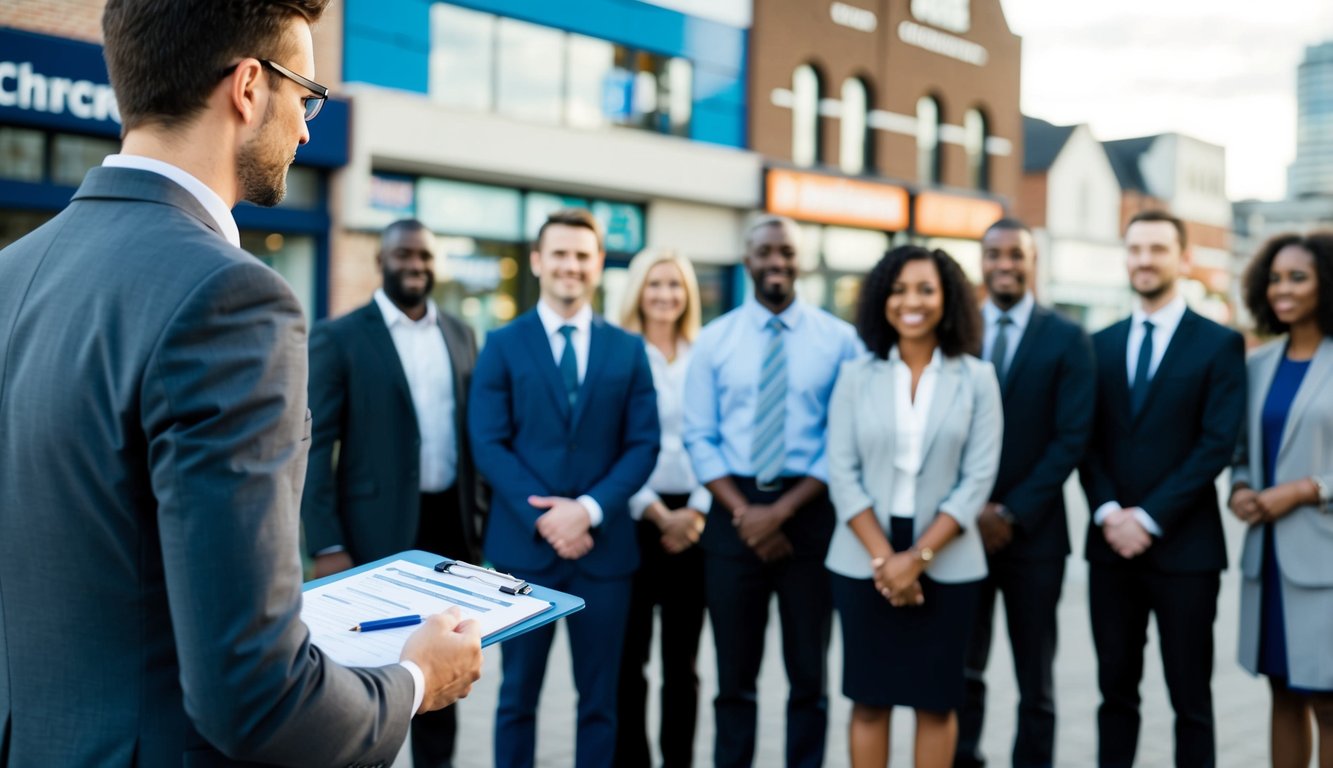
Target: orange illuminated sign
833, 200
940, 215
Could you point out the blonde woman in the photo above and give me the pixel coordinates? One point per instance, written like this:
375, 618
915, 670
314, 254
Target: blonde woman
662, 304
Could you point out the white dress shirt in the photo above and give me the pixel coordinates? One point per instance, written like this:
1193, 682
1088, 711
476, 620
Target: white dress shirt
1165, 322
673, 473
212, 203
909, 422
425, 359
552, 322
1020, 314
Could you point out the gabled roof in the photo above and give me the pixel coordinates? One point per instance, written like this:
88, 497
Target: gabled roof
1042, 142
1124, 155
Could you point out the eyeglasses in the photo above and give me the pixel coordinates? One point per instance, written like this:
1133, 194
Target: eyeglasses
313, 104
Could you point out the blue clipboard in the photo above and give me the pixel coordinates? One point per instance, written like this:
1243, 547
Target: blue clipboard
562, 604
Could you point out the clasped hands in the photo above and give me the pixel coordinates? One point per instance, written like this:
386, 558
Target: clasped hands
1255, 507
1125, 534
565, 525
898, 578
680, 528
760, 527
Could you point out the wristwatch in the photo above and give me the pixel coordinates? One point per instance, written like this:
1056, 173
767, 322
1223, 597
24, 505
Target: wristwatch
1325, 493
925, 553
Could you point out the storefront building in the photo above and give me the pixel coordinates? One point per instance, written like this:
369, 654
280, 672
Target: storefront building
58, 118
898, 122
481, 116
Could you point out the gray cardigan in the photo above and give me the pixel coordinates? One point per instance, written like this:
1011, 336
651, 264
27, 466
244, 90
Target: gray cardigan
961, 455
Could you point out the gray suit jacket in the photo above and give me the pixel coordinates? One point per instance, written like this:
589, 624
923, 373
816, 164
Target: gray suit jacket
1303, 537
153, 408
961, 456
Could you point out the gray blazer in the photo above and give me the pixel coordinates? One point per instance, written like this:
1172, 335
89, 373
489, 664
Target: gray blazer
153, 413
961, 455
1304, 537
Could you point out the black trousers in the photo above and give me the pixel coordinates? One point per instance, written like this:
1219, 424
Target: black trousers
439, 531
673, 585
740, 587
1120, 597
1031, 590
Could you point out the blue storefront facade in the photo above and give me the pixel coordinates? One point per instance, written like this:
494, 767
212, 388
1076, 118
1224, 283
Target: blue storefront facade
58, 118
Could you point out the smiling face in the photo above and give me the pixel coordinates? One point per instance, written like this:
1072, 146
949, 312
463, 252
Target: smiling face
1007, 258
916, 301
263, 160
568, 265
407, 260
770, 258
1154, 258
664, 297
1293, 286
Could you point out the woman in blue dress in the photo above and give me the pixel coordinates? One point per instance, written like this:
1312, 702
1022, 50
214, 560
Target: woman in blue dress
1282, 487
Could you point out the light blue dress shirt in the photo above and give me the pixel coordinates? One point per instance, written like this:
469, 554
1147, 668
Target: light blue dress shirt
722, 387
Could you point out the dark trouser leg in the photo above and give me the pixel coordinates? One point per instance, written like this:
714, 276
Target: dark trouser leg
631, 717
595, 637
973, 712
433, 737
1119, 606
739, 590
434, 733
523, 668
1031, 593
682, 623
440, 527
805, 607
1185, 605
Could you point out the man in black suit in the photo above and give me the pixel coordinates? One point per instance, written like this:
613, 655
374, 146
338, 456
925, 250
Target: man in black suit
1047, 377
388, 395
1170, 398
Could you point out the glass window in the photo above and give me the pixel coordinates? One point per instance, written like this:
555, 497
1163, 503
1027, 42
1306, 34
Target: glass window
974, 143
74, 155
530, 83
680, 95
927, 140
16, 224
21, 154
805, 116
591, 92
476, 210
462, 56
292, 256
852, 139
655, 92
303, 185
853, 250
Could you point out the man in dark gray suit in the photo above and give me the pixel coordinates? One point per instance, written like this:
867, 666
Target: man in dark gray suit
152, 407
388, 396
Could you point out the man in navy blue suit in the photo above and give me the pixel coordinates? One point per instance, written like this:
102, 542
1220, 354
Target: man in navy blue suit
564, 425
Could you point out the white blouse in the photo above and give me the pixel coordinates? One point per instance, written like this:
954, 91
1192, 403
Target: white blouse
910, 419
673, 473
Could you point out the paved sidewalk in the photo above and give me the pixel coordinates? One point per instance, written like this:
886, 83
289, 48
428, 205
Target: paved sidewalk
1241, 701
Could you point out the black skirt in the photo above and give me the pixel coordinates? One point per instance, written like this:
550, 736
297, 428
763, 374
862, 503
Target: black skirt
910, 656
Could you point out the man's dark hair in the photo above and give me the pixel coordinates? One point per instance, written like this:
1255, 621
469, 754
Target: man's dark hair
1320, 246
1009, 224
570, 217
165, 56
1156, 215
401, 225
959, 330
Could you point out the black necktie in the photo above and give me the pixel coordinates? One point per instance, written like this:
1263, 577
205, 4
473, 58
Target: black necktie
999, 352
1139, 391
569, 365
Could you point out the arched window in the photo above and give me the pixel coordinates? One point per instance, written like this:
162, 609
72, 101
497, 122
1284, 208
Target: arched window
927, 140
974, 143
805, 90
854, 140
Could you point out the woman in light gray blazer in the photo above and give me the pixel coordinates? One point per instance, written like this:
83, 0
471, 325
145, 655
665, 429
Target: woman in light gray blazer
1282, 485
913, 449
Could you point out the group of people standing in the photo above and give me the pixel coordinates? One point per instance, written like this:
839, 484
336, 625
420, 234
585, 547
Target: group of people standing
661, 468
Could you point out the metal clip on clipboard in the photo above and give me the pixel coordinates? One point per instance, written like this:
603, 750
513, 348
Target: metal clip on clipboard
510, 585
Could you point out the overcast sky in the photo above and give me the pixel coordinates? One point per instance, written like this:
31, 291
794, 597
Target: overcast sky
1221, 70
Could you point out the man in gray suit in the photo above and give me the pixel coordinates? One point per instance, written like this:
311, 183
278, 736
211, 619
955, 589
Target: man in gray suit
152, 407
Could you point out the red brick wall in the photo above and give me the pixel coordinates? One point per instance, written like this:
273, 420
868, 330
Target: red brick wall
77, 19
1031, 208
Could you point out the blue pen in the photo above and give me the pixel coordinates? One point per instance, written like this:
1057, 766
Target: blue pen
398, 621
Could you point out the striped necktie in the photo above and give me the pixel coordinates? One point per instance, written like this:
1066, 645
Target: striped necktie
768, 450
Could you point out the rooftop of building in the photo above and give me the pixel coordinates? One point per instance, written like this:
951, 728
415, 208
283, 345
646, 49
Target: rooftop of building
1042, 142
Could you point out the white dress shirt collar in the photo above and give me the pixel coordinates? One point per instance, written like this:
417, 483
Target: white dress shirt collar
761, 315
1020, 313
393, 315
552, 320
210, 200
1165, 319
936, 358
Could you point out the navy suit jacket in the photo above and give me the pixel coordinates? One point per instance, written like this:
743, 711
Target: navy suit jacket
1048, 399
527, 441
1167, 458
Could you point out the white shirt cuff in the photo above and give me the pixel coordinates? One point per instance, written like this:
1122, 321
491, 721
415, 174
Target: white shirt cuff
594, 509
640, 502
333, 550
701, 500
1149, 524
1103, 511
418, 684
